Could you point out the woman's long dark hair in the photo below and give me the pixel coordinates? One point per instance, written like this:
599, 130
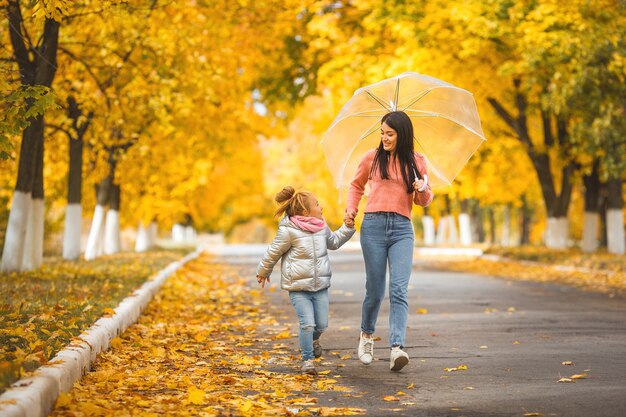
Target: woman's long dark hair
401, 123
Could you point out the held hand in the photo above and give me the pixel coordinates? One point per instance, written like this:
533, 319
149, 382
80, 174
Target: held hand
417, 185
262, 280
349, 223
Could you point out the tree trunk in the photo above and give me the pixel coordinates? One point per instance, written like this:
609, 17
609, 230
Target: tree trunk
95, 233
465, 228
556, 205
492, 225
428, 224
153, 232
615, 217
36, 68
112, 232
505, 239
142, 241
478, 228
73, 212
525, 222
592, 209
33, 243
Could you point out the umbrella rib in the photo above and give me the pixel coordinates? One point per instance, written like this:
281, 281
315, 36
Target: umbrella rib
435, 114
378, 100
421, 96
396, 95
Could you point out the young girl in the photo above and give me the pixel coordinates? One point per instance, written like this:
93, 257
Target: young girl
302, 242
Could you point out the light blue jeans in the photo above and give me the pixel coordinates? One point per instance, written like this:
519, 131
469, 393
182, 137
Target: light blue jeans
387, 238
312, 311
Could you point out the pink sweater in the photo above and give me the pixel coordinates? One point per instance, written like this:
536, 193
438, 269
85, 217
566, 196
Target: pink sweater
386, 195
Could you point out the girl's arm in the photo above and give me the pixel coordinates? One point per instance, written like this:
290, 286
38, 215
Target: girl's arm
334, 240
277, 248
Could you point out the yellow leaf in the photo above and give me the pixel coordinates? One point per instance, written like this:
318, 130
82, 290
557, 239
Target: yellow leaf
108, 312
323, 372
63, 399
283, 335
344, 357
533, 415
195, 395
566, 380
567, 363
246, 406
422, 311
410, 386
578, 376
116, 342
390, 398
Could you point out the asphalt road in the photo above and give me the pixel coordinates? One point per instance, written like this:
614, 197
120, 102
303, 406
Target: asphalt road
512, 336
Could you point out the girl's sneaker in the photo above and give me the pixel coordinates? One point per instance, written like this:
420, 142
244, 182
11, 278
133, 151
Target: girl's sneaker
317, 348
308, 367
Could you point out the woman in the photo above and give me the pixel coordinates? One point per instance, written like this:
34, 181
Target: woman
396, 174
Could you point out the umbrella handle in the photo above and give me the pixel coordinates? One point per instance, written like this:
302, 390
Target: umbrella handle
425, 184
425, 178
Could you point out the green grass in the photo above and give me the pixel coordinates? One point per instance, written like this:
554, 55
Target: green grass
41, 311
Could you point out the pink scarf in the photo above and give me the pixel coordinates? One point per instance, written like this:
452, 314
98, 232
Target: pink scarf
310, 224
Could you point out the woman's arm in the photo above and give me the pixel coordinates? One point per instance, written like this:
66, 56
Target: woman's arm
357, 186
277, 248
425, 197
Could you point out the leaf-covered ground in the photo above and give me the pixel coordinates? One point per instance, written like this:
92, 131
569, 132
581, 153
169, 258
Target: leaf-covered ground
206, 345
600, 272
41, 311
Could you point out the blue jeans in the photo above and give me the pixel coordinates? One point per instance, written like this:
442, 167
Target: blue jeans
387, 238
312, 310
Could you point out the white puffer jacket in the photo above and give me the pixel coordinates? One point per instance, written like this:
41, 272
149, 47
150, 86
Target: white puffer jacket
305, 265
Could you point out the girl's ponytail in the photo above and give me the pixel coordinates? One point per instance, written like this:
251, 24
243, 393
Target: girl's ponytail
291, 202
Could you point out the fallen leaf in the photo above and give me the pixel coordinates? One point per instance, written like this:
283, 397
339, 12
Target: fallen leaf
566, 380
116, 342
422, 311
567, 363
195, 395
533, 414
578, 376
391, 398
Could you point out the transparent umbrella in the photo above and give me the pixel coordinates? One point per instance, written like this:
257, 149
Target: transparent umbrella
445, 123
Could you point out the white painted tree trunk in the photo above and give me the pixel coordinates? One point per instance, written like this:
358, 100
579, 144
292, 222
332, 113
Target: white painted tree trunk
112, 233
13, 251
428, 223
556, 232
178, 233
95, 233
590, 232
465, 229
101, 237
153, 232
33, 243
71, 232
505, 239
453, 234
442, 230
190, 234
142, 242
615, 231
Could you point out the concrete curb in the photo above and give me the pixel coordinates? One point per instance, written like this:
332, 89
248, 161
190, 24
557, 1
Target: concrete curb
35, 396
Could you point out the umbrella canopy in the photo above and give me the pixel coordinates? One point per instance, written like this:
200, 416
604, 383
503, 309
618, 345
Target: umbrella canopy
445, 123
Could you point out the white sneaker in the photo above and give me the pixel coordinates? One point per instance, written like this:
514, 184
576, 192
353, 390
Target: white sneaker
366, 349
398, 359
308, 367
